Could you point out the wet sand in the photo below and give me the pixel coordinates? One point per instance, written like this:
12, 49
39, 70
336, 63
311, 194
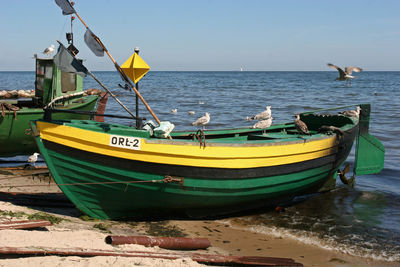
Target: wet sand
227, 236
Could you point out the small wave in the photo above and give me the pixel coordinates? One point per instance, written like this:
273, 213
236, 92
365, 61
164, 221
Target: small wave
367, 250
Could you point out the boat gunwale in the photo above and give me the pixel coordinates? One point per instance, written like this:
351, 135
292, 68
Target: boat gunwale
32, 110
195, 156
216, 142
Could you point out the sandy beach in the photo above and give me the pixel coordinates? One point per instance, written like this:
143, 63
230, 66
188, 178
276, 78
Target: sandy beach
72, 230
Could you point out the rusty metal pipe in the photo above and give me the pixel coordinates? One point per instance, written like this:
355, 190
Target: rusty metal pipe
162, 242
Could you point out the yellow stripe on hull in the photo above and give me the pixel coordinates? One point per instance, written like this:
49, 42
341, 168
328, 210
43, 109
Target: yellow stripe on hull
177, 152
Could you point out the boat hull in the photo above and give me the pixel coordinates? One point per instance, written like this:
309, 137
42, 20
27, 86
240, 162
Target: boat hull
172, 177
15, 133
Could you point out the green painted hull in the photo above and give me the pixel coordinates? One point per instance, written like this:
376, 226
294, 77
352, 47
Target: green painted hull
197, 198
15, 133
108, 187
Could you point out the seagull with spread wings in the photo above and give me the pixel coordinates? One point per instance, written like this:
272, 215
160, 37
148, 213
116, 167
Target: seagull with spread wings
346, 74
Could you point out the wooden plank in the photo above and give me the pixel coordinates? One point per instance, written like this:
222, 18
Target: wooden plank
24, 224
202, 258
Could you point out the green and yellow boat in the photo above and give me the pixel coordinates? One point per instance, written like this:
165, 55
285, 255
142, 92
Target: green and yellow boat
53, 87
112, 171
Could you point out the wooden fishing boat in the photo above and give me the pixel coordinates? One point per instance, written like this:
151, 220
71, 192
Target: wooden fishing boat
112, 171
52, 88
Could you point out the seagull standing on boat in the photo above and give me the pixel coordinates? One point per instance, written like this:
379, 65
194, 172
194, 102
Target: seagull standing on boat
266, 114
33, 158
202, 121
346, 74
263, 124
49, 50
352, 113
300, 125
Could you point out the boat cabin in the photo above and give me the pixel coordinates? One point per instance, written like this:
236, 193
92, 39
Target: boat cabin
50, 82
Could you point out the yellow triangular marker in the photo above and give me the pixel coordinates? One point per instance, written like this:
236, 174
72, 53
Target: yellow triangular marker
135, 67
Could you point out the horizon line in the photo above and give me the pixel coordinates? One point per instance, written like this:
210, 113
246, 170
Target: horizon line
222, 70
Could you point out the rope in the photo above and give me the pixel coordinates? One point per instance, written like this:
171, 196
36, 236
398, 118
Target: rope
9, 107
167, 179
62, 97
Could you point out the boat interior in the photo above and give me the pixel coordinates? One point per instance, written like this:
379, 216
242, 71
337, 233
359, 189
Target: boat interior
276, 132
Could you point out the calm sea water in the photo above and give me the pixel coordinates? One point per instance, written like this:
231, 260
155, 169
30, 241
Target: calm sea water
364, 220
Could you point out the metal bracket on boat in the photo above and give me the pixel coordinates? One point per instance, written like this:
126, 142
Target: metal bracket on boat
343, 178
34, 131
173, 179
28, 131
199, 135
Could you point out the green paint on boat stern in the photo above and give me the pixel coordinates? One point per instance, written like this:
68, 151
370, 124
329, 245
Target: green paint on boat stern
370, 153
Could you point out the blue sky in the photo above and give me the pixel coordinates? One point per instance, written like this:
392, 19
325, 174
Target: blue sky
212, 34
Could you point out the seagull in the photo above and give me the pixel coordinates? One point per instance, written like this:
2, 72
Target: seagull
346, 74
300, 125
191, 112
266, 114
33, 158
352, 113
202, 121
49, 50
174, 110
263, 124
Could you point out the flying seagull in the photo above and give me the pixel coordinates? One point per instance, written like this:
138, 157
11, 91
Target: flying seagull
174, 110
33, 158
266, 114
49, 50
346, 74
300, 125
202, 121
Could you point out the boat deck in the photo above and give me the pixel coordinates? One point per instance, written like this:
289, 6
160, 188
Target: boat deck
276, 133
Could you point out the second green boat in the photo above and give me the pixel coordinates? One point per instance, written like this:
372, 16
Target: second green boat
53, 87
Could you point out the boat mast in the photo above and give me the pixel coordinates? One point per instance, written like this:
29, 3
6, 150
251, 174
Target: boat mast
119, 69
138, 122
70, 35
72, 29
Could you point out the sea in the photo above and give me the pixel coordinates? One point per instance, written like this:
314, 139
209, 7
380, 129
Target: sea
363, 220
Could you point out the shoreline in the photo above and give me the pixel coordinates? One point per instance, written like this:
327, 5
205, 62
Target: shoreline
227, 236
